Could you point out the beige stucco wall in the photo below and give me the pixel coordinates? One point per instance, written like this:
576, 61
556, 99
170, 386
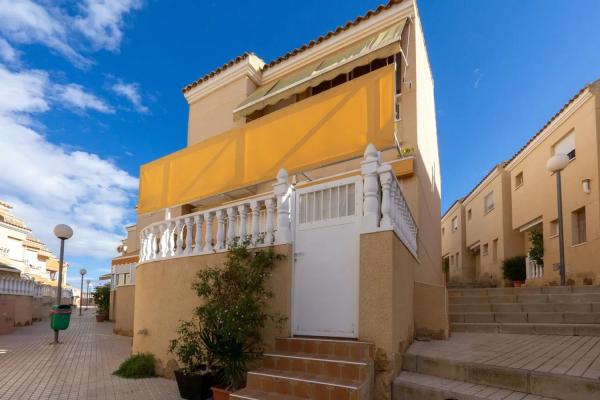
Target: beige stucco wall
431, 310
461, 267
112, 302
123, 310
164, 297
213, 114
537, 196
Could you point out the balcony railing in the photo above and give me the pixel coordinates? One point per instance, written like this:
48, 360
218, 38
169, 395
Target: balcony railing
267, 219
533, 269
23, 287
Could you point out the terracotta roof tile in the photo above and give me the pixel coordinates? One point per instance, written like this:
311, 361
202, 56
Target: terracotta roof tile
298, 50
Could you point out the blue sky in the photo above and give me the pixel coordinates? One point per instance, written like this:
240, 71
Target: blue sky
91, 90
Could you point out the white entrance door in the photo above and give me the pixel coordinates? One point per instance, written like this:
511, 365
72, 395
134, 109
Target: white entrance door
325, 283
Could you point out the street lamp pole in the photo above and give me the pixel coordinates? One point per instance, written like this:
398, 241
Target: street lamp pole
556, 164
63, 232
87, 296
82, 271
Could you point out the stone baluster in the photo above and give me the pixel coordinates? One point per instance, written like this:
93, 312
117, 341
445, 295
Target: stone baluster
370, 219
270, 211
171, 229
243, 218
189, 222
255, 209
284, 196
179, 231
198, 235
152, 242
231, 214
388, 205
208, 246
220, 230
164, 239
528, 271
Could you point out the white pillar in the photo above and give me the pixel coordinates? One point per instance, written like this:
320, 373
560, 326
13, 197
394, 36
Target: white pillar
208, 217
386, 177
198, 238
231, 214
284, 194
220, 229
370, 219
189, 221
255, 210
270, 211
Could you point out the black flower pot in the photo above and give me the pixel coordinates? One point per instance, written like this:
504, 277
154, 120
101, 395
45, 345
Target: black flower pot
195, 386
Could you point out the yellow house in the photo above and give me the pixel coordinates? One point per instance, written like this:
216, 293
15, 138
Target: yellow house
329, 154
519, 196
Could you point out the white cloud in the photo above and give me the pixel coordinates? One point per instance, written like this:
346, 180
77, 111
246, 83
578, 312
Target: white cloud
24, 21
8, 54
50, 184
131, 91
102, 21
76, 96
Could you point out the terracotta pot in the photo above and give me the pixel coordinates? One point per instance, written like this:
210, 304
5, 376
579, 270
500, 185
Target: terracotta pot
518, 283
99, 317
220, 393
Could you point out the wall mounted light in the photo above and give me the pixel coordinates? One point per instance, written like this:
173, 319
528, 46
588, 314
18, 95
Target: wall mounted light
587, 185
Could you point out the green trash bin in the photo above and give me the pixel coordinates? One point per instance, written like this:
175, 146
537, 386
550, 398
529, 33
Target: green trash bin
60, 316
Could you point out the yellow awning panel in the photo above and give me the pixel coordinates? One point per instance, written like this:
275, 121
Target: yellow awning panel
331, 126
378, 45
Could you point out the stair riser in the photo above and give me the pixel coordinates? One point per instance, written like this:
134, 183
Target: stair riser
535, 318
525, 329
329, 368
529, 290
580, 298
306, 389
523, 307
355, 351
542, 384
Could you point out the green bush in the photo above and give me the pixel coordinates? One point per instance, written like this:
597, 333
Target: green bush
101, 298
536, 252
514, 268
137, 366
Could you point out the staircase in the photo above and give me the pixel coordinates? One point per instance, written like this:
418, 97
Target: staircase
551, 310
511, 344
317, 369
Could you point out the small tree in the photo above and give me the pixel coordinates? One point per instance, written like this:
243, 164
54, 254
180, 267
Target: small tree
536, 252
101, 298
232, 314
190, 350
514, 269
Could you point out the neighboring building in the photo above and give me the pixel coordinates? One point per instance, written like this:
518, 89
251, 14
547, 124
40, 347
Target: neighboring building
518, 197
329, 154
20, 251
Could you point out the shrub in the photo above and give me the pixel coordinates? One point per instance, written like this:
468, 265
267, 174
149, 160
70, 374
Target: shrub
137, 366
190, 350
514, 268
536, 252
101, 298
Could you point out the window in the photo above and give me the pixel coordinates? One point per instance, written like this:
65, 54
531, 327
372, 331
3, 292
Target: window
578, 226
469, 214
454, 224
488, 202
485, 249
495, 250
554, 228
566, 145
518, 180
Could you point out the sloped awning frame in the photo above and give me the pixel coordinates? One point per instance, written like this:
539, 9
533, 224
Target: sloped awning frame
378, 45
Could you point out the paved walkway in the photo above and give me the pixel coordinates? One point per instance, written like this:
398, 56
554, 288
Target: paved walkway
577, 356
79, 368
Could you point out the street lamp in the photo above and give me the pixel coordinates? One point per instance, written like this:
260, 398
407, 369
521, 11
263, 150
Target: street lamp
63, 232
87, 296
556, 164
82, 271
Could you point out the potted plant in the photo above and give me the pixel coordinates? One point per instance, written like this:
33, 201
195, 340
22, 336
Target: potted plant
197, 373
232, 313
513, 269
101, 298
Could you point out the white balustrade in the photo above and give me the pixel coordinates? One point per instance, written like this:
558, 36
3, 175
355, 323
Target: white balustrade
25, 287
385, 207
533, 269
263, 220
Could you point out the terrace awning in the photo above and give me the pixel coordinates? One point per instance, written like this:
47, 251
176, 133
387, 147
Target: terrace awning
378, 45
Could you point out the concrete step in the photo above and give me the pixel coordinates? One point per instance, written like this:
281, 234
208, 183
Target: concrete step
322, 348
414, 386
563, 329
478, 292
553, 385
317, 365
306, 385
253, 394
526, 307
569, 298
528, 317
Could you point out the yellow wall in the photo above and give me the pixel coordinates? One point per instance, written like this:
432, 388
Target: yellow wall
537, 196
164, 297
213, 114
124, 306
460, 261
334, 125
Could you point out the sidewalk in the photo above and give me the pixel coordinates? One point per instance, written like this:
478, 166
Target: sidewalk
79, 368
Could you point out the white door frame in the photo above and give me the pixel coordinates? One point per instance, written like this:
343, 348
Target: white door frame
358, 181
